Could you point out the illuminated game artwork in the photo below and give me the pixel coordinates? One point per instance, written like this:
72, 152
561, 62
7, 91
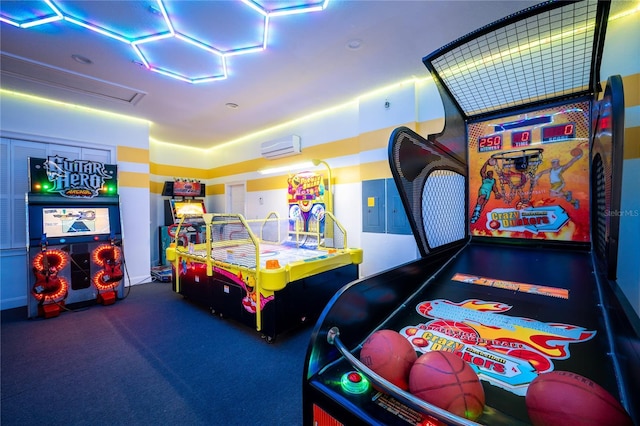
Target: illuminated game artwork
61, 222
187, 208
306, 202
506, 351
529, 175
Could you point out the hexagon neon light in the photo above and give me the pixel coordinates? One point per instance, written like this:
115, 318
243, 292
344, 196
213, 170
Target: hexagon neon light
15, 14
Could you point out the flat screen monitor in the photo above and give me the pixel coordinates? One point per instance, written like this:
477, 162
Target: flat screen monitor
193, 208
70, 222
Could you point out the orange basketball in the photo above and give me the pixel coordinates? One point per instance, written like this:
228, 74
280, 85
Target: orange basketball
565, 398
447, 381
575, 152
390, 355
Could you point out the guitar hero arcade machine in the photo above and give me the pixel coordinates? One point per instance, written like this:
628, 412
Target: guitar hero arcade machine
74, 235
513, 208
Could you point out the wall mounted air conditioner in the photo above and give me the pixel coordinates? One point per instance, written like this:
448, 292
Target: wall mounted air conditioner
283, 147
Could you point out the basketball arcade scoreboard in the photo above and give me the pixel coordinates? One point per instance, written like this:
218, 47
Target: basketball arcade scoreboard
524, 138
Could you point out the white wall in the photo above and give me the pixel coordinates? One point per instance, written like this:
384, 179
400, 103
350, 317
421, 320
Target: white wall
350, 120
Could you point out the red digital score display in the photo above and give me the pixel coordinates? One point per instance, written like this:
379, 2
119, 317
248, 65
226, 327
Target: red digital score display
561, 132
522, 138
489, 143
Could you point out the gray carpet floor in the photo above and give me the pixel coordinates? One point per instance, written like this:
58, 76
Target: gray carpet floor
152, 358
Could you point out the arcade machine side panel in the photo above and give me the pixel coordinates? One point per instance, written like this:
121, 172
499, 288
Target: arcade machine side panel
434, 191
74, 234
606, 175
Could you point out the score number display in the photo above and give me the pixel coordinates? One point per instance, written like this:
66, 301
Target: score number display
522, 138
489, 143
561, 132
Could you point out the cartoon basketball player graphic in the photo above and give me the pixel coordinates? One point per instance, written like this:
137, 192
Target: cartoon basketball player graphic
557, 181
484, 192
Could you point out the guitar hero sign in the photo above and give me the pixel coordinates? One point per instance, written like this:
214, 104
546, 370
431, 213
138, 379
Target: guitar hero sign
73, 178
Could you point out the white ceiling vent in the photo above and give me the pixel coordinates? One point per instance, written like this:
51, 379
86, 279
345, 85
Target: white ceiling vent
283, 147
23, 71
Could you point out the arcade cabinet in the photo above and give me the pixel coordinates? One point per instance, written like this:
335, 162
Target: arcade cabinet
186, 199
74, 235
510, 208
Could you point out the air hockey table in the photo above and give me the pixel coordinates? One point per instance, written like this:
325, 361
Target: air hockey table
510, 209
253, 272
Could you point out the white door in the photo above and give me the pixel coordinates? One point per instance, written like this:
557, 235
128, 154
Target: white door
236, 198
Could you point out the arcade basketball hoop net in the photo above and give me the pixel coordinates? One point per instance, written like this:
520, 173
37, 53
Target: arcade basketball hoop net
515, 169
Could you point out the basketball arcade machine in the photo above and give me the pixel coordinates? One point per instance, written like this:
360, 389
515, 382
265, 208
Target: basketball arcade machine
186, 200
513, 210
74, 235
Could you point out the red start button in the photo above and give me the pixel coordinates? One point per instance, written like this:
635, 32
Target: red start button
354, 377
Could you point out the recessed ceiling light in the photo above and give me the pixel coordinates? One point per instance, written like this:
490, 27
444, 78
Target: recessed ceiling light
354, 44
82, 59
231, 105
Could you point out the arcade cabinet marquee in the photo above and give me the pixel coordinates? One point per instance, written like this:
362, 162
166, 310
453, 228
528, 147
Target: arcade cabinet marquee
74, 235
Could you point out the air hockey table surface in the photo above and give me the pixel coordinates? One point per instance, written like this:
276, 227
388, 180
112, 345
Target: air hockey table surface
505, 308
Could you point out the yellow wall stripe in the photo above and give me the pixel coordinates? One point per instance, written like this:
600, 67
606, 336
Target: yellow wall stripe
217, 189
377, 170
631, 143
156, 187
631, 85
430, 127
177, 171
133, 179
133, 155
267, 183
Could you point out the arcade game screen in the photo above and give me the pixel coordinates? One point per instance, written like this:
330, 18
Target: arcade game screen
64, 222
181, 209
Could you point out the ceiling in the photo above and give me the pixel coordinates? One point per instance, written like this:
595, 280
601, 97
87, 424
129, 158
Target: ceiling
215, 57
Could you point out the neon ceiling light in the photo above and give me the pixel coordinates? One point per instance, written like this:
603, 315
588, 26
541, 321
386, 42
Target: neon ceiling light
55, 13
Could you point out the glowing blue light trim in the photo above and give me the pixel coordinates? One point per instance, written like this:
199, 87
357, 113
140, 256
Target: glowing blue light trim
266, 32
198, 44
7, 21
170, 74
163, 10
171, 32
190, 80
40, 21
255, 7
243, 51
141, 56
96, 29
151, 38
295, 10
35, 22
